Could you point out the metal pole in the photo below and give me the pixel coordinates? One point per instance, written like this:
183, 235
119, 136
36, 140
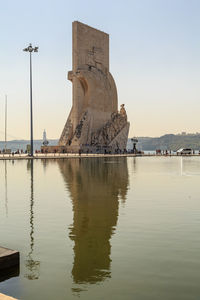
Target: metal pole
30, 49
5, 147
31, 108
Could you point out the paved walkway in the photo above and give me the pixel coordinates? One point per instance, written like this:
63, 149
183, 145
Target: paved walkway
76, 155
58, 156
5, 297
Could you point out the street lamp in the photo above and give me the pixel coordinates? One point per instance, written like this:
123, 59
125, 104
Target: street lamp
134, 141
30, 49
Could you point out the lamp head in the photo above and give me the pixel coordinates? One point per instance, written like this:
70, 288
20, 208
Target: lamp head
31, 49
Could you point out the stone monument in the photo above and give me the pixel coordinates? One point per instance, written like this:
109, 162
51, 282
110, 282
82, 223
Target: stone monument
94, 123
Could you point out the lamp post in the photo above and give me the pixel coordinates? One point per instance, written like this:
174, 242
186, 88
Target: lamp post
31, 49
134, 141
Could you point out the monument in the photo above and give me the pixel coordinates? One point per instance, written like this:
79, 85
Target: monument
94, 123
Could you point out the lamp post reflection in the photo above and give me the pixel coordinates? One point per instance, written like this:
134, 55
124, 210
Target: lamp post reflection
33, 266
6, 189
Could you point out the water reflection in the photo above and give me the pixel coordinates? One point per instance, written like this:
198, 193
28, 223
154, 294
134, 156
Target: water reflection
95, 185
6, 189
33, 266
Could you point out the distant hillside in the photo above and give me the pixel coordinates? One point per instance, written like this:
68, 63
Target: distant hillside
21, 144
170, 142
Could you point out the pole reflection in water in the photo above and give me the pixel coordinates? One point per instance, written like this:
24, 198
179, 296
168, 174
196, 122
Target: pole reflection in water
33, 266
95, 185
6, 189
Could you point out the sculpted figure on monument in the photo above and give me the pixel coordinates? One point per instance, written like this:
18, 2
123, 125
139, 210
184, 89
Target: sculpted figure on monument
94, 121
122, 110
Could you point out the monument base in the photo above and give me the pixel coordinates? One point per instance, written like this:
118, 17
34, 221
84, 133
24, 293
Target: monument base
82, 149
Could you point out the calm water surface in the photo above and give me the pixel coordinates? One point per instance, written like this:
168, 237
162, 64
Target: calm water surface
126, 228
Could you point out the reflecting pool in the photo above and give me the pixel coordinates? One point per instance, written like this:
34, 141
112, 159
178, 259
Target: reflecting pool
96, 228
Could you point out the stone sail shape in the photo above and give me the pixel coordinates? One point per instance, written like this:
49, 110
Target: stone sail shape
94, 121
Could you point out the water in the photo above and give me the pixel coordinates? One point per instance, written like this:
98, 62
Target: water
89, 228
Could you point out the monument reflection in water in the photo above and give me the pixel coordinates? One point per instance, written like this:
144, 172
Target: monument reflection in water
96, 186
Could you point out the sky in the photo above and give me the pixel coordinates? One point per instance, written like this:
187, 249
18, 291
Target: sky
154, 59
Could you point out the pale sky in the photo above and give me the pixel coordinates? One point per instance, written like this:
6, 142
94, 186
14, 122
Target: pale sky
154, 58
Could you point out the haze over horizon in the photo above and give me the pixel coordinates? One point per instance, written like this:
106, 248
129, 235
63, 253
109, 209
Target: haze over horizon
154, 59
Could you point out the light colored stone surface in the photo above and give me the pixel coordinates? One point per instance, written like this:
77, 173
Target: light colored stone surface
4, 252
5, 297
94, 94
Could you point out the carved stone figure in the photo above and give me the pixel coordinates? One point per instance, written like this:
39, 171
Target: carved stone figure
94, 122
122, 110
